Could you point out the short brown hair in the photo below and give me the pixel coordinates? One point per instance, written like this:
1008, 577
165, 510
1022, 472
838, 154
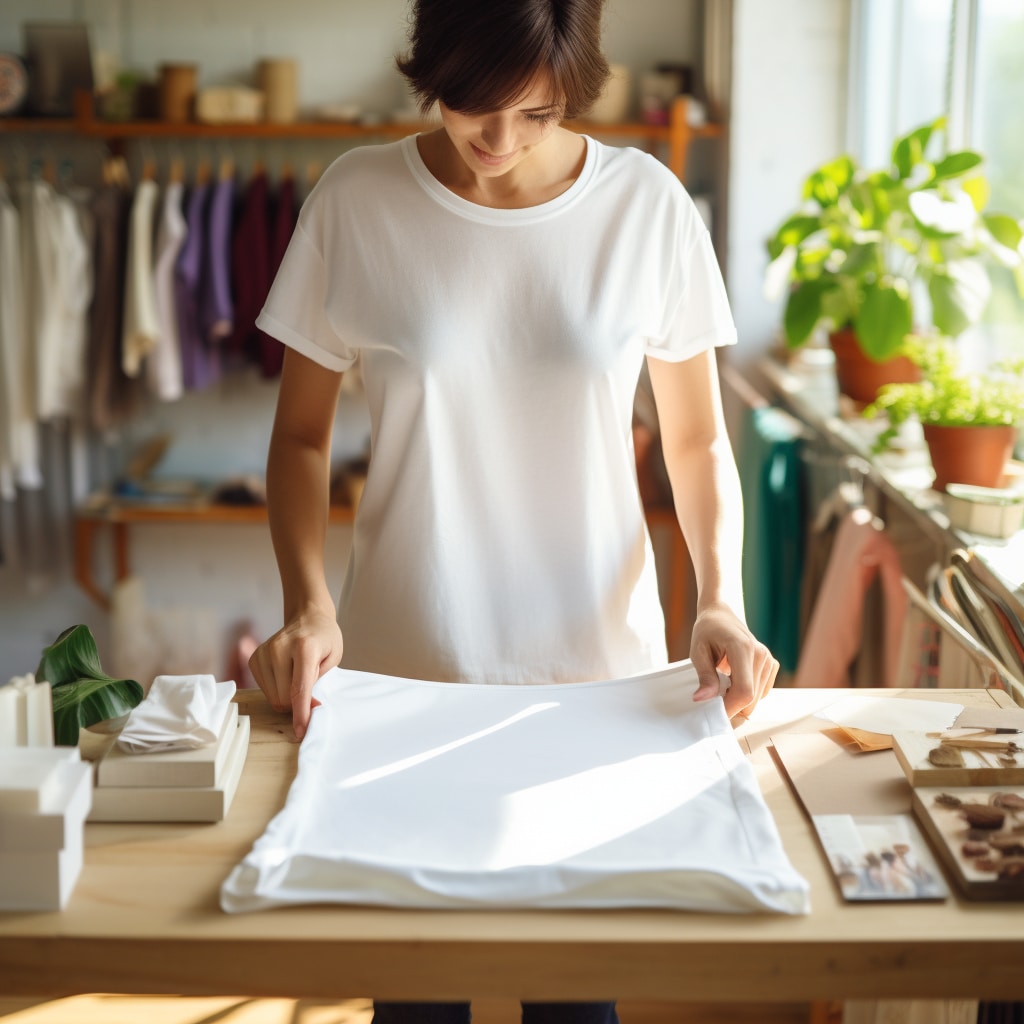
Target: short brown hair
481, 55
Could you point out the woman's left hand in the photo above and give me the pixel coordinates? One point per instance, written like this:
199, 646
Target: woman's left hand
721, 642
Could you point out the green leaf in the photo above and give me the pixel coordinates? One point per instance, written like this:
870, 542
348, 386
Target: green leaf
882, 180
954, 164
796, 229
873, 203
884, 319
803, 311
959, 296
70, 657
908, 150
979, 190
82, 693
1005, 230
862, 258
89, 701
810, 261
830, 181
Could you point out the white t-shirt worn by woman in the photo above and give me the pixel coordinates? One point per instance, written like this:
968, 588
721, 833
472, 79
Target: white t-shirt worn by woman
500, 537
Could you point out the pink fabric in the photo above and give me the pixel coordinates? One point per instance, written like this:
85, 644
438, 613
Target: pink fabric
835, 632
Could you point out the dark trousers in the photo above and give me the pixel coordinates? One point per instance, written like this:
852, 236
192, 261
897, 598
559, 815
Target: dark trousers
458, 1013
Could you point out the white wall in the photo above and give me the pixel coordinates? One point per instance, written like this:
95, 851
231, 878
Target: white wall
788, 106
346, 49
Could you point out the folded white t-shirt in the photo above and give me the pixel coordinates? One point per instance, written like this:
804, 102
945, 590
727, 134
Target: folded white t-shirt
622, 793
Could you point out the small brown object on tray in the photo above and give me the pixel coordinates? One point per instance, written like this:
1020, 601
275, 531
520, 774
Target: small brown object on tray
975, 836
983, 815
944, 756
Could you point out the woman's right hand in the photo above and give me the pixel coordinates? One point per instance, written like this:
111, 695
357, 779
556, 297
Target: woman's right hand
288, 664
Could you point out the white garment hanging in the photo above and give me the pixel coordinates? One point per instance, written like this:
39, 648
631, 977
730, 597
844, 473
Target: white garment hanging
163, 364
62, 378
141, 323
19, 442
58, 288
33, 306
623, 793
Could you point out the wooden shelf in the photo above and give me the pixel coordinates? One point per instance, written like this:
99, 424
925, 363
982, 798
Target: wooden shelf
114, 512
677, 134
106, 514
37, 125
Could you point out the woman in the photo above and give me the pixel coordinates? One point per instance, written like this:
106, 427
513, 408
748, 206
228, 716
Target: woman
502, 281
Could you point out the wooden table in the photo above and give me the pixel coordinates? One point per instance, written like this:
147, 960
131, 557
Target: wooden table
144, 918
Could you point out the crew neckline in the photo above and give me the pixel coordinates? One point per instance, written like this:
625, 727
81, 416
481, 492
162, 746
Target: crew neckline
494, 215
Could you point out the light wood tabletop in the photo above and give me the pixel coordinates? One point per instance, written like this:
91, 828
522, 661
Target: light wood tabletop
144, 918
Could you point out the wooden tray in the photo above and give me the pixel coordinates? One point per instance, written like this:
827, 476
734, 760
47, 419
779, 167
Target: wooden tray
949, 831
980, 768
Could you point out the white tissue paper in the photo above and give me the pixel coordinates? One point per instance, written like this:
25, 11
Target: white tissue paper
604, 794
179, 713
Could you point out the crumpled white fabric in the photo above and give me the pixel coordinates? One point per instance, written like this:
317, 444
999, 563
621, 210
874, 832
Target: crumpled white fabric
178, 713
623, 793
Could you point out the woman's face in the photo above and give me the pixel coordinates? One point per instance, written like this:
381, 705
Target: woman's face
491, 144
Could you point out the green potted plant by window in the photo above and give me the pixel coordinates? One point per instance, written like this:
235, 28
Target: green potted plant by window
873, 255
969, 420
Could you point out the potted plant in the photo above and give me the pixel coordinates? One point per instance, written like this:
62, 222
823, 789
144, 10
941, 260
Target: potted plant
83, 694
873, 255
969, 420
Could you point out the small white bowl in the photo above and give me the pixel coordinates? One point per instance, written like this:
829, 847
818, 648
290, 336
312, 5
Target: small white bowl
993, 512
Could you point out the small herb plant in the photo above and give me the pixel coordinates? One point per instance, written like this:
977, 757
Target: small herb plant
83, 694
947, 397
864, 247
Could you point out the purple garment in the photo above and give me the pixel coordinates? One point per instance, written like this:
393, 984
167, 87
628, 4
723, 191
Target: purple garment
285, 219
250, 267
112, 395
216, 310
200, 365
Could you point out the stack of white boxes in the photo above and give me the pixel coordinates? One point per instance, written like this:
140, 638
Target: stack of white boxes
26, 713
45, 795
174, 785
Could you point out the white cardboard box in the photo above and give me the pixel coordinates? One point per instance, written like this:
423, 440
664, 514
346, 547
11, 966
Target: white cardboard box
40, 879
28, 776
61, 814
203, 766
175, 803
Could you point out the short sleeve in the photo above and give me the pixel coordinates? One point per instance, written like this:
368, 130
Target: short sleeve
699, 316
296, 308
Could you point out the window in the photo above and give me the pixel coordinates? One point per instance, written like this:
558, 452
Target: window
997, 130
915, 60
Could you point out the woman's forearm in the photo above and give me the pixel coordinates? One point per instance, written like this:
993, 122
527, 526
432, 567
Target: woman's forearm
298, 491
298, 481
709, 504
702, 472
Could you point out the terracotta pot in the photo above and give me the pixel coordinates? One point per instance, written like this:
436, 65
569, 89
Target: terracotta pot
969, 455
860, 377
